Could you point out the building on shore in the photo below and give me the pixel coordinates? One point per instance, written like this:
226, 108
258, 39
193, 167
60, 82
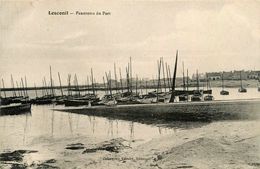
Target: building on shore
234, 75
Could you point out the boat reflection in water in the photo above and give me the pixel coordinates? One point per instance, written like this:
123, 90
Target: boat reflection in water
44, 124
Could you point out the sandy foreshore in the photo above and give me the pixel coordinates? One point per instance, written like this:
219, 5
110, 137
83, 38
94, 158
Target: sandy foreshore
224, 144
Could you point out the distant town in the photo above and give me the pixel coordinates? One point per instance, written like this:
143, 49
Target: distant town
231, 75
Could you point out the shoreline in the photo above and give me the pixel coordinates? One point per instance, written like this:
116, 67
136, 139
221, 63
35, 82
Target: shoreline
223, 144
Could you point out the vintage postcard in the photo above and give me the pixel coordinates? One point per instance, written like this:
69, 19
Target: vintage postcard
151, 84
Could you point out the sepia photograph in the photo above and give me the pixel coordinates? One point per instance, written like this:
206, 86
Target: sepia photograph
129, 84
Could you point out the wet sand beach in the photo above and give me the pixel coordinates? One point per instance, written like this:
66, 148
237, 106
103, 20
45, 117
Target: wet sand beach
216, 145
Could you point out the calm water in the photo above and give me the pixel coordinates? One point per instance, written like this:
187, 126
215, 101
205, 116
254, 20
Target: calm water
21, 130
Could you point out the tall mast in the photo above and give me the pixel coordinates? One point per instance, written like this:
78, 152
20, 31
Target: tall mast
60, 85
26, 87
52, 91
121, 80
105, 87
108, 84
35, 90
164, 82
115, 77
77, 84
131, 78
23, 87
12, 81
167, 73
110, 81
141, 86
169, 70
187, 80
92, 79
159, 72
183, 77
154, 84
198, 85
3, 84
127, 79
174, 78
69, 77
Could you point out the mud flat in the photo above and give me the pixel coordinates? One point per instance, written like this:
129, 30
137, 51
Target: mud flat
222, 144
183, 111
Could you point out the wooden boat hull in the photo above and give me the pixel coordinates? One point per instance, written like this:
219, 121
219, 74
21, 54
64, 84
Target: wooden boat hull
42, 101
15, 109
183, 98
208, 98
187, 111
80, 102
223, 92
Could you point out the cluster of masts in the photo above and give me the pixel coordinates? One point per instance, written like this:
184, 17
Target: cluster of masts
117, 93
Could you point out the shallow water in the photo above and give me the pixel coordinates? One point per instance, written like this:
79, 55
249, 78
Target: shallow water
19, 131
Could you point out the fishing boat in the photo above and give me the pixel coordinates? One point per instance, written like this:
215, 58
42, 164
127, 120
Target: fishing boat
190, 111
197, 95
5, 101
81, 102
223, 92
208, 97
15, 109
47, 99
185, 96
241, 89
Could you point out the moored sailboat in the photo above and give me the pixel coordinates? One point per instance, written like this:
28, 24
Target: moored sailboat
183, 97
208, 97
223, 92
197, 95
241, 89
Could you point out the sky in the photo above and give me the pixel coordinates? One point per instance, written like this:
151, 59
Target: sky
210, 36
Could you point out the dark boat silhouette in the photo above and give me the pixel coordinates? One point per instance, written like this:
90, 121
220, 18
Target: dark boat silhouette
185, 96
13, 109
197, 95
223, 92
208, 97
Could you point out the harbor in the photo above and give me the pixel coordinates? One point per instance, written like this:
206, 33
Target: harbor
129, 85
108, 122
